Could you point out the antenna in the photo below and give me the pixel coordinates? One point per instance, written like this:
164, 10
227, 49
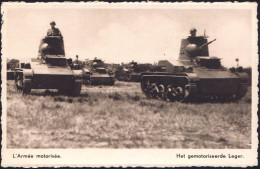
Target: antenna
205, 36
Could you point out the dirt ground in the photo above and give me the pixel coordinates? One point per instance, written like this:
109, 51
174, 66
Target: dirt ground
120, 116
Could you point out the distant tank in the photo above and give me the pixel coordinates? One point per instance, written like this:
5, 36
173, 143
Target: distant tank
195, 75
99, 75
11, 66
132, 71
77, 65
135, 71
10, 74
122, 73
50, 70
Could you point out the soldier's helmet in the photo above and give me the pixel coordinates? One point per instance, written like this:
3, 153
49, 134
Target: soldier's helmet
193, 31
53, 23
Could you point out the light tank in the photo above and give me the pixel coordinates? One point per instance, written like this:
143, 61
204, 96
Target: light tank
99, 75
122, 73
135, 71
76, 65
132, 71
50, 70
194, 76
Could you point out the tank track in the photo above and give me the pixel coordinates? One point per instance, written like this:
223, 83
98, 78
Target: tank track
158, 89
242, 91
193, 92
164, 88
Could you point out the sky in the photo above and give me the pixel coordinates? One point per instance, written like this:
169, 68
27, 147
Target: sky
117, 35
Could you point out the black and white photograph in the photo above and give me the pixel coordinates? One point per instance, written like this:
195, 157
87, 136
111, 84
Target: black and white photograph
129, 84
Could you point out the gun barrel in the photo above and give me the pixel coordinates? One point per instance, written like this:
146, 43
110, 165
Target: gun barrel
206, 44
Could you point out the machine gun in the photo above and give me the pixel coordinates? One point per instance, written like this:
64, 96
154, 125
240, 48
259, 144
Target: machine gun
206, 44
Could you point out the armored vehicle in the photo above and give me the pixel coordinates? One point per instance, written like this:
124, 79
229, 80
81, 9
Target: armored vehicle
50, 70
11, 66
122, 73
132, 71
85, 72
135, 71
99, 75
194, 76
10, 75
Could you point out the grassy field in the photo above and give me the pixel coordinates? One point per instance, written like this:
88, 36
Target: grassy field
121, 117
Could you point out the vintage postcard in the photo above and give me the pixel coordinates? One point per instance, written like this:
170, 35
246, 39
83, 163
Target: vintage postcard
129, 84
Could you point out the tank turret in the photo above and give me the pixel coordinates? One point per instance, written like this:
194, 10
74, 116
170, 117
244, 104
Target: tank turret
193, 50
194, 46
51, 46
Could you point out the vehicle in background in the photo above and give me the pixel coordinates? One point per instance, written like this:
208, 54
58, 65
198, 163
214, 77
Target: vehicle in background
99, 75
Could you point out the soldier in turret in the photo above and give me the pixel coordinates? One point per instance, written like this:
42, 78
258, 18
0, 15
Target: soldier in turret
44, 47
193, 32
53, 31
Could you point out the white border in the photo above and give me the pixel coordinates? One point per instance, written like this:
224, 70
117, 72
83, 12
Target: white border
134, 157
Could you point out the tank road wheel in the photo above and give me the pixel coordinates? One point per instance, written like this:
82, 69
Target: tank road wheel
170, 93
27, 86
76, 88
162, 92
175, 93
180, 93
153, 91
149, 88
145, 83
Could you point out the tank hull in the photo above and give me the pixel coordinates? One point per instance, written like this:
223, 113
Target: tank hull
52, 81
191, 86
46, 76
42, 75
101, 80
135, 77
216, 82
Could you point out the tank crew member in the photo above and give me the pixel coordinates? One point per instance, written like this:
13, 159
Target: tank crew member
53, 31
193, 32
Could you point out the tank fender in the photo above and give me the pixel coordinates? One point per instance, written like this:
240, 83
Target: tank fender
193, 77
78, 73
27, 73
243, 76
